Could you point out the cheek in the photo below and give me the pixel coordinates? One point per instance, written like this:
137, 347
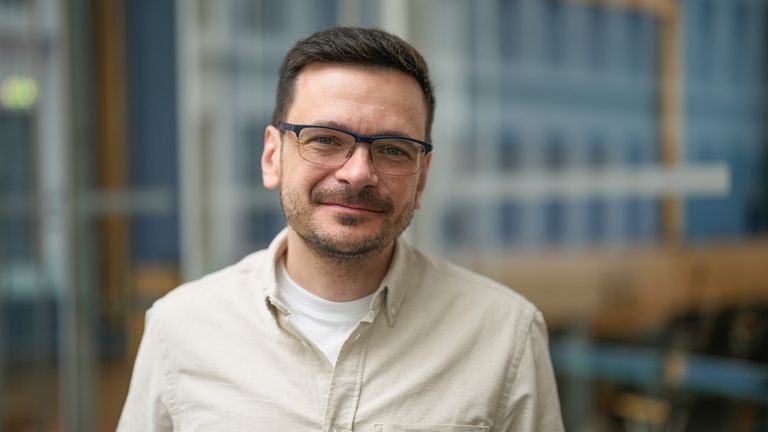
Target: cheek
404, 195
302, 178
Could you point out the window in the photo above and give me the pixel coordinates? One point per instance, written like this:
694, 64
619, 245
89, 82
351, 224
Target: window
510, 152
639, 52
635, 153
597, 37
263, 225
511, 36
458, 228
597, 219
14, 4
555, 154
251, 145
705, 39
554, 32
510, 227
554, 221
740, 51
16, 186
259, 16
597, 152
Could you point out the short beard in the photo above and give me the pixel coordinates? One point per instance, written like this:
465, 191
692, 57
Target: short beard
327, 245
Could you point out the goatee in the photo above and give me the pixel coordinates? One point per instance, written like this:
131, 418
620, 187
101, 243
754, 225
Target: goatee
352, 246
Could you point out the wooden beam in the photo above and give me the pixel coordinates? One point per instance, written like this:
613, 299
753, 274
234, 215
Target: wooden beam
656, 7
112, 170
671, 120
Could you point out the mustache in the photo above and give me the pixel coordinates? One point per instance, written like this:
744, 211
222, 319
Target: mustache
361, 198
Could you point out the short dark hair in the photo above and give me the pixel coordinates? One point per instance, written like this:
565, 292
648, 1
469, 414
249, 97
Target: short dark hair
352, 46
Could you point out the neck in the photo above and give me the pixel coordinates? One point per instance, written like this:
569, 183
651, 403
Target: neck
335, 278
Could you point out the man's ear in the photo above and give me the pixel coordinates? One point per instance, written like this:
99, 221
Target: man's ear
423, 173
270, 158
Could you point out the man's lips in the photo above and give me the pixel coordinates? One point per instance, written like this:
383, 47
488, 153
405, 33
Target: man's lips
356, 207
348, 200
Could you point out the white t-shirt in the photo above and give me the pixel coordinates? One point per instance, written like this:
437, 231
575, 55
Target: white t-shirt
327, 324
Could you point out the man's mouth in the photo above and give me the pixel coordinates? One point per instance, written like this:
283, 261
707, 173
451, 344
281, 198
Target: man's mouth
362, 201
351, 206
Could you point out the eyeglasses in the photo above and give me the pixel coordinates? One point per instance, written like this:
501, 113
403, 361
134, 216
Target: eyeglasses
332, 147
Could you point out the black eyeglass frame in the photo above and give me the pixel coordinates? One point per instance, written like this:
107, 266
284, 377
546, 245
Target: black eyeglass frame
296, 128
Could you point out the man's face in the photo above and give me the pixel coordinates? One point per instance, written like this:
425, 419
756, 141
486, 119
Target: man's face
353, 210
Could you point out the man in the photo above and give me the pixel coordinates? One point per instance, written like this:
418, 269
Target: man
340, 325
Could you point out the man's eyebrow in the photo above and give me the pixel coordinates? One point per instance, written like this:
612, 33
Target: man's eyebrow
379, 132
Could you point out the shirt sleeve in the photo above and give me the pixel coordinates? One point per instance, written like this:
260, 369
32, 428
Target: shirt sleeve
533, 403
146, 407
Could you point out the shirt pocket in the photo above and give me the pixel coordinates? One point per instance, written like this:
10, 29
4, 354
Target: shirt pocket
428, 428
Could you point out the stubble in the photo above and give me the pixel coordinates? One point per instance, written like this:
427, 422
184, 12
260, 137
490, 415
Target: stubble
351, 246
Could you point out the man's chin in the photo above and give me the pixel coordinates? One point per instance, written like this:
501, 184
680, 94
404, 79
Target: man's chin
345, 249
346, 242
351, 221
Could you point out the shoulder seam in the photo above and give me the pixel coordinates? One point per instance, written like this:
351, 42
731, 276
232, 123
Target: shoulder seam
444, 268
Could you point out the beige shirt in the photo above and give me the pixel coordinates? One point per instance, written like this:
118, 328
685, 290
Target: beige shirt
442, 349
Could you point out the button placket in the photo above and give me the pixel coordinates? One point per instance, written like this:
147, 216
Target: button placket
314, 360
346, 382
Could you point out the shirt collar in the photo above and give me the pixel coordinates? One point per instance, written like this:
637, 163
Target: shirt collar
395, 284
275, 252
391, 291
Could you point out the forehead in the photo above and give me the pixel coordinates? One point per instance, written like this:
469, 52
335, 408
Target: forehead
362, 99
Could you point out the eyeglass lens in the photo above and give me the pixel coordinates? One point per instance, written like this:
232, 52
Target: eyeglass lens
332, 148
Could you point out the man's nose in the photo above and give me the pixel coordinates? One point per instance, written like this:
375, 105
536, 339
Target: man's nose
358, 171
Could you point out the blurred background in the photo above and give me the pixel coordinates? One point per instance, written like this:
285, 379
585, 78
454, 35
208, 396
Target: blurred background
607, 159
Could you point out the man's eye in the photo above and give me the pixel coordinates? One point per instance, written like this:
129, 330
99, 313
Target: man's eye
394, 151
324, 140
